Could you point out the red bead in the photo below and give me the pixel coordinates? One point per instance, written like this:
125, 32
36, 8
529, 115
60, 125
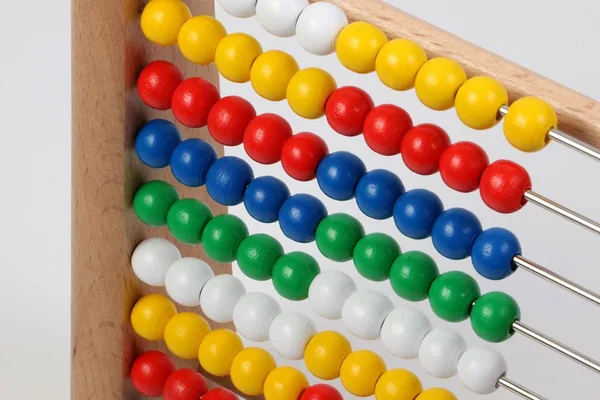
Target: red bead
321, 391
301, 155
461, 166
346, 110
385, 128
228, 119
503, 186
150, 371
184, 384
157, 83
219, 394
193, 100
265, 136
423, 147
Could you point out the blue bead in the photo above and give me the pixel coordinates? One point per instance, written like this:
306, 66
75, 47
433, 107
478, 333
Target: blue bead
155, 142
227, 179
339, 173
377, 192
191, 160
264, 197
416, 211
299, 217
454, 232
493, 252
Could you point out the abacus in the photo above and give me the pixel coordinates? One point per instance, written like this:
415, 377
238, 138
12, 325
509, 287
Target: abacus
157, 310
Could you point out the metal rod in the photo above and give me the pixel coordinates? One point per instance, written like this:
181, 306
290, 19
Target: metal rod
565, 350
562, 211
518, 389
553, 277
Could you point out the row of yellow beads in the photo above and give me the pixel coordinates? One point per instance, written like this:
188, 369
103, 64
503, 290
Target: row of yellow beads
401, 64
253, 371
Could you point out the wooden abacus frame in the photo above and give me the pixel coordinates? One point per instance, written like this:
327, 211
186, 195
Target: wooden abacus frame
108, 52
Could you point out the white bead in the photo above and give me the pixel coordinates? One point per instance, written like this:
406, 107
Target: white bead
219, 297
403, 331
185, 280
328, 293
480, 368
289, 334
151, 260
364, 313
279, 17
440, 351
239, 8
253, 315
319, 26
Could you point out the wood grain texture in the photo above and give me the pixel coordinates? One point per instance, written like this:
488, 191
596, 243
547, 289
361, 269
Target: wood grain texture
578, 115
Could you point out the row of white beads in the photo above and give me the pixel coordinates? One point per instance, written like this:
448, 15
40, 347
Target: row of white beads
366, 314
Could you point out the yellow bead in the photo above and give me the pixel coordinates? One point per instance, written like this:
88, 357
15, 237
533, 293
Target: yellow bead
478, 101
250, 369
235, 55
308, 91
398, 384
357, 46
285, 383
360, 372
325, 354
162, 20
183, 334
436, 394
438, 81
199, 37
217, 351
150, 316
398, 63
271, 73
527, 123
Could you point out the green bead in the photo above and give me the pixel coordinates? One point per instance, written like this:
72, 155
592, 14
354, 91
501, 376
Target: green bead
186, 220
493, 315
452, 294
411, 275
374, 255
152, 202
293, 273
222, 237
337, 235
257, 256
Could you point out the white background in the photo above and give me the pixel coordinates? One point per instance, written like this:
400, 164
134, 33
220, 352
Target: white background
555, 38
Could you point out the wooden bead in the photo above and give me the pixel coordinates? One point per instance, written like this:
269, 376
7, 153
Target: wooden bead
162, 19
250, 369
227, 178
253, 315
377, 192
480, 368
319, 26
337, 235
364, 312
219, 297
228, 119
157, 83
219, 394
222, 237
461, 166
528, 122
150, 316
347, 108
185, 280
271, 73
299, 217
360, 372
257, 256
328, 293
411, 275
374, 255
422, 148
416, 211
265, 137
152, 202
264, 197
199, 37
184, 384
235, 55
436, 394
503, 186
398, 63
452, 294
440, 352
454, 232
186, 220
150, 371
321, 391
191, 160
493, 253
193, 100
289, 334
308, 91
493, 315
218, 350
184, 333
152, 259
357, 46
339, 173
437, 82
403, 331
239, 8
279, 17
301, 155
385, 127
398, 384
478, 101
325, 353
285, 383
